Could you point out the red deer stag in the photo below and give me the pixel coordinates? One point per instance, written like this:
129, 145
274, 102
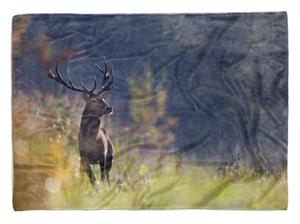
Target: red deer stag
95, 146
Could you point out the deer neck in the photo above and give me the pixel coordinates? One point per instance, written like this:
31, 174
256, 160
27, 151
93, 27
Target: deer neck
89, 125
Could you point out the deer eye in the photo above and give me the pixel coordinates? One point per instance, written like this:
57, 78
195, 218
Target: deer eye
94, 100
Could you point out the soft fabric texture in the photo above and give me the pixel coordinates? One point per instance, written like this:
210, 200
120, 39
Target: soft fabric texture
188, 111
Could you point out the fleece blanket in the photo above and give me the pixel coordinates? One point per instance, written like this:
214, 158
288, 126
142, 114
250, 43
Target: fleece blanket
162, 111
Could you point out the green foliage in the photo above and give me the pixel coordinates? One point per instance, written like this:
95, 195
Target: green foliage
151, 125
47, 176
168, 189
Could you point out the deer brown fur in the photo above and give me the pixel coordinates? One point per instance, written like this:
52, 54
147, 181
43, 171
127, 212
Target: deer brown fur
95, 146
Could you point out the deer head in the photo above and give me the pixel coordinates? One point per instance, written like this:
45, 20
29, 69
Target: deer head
95, 104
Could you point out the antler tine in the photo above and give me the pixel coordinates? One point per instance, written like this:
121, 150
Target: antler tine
50, 74
59, 78
70, 81
101, 69
107, 83
95, 83
82, 85
93, 88
85, 89
110, 77
105, 86
105, 63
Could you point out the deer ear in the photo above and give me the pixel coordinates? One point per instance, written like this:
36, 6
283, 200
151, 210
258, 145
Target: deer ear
85, 96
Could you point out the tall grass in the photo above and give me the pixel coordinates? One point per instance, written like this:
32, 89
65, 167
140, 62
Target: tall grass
169, 189
137, 186
47, 176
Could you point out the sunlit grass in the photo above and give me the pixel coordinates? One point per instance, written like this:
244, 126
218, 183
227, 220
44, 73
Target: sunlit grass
60, 186
47, 176
169, 190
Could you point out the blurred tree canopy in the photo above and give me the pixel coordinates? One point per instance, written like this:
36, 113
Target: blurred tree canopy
151, 125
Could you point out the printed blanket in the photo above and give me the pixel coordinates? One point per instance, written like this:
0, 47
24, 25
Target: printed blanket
150, 111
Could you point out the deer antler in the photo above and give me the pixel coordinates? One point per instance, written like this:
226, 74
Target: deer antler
107, 82
69, 84
105, 86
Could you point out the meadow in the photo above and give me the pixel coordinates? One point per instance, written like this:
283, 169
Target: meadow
47, 173
137, 186
47, 176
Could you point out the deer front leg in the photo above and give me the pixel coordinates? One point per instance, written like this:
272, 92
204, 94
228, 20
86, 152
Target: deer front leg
108, 167
108, 162
102, 166
86, 167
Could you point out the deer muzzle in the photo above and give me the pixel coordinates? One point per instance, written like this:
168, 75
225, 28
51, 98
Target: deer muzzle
110, 111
